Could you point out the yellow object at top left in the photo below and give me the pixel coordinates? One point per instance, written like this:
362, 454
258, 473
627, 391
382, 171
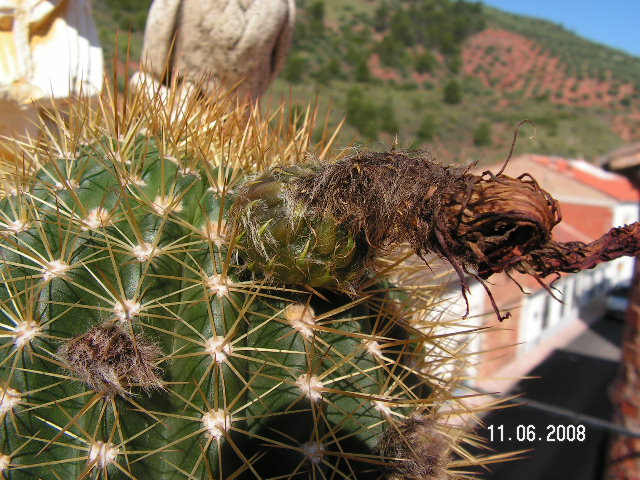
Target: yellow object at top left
49, 50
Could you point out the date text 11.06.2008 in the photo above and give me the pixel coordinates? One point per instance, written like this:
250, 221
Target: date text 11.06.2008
529, 433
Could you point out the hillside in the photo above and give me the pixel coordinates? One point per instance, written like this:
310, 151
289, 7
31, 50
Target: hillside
453, 77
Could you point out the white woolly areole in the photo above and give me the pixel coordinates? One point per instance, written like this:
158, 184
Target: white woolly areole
17, 226
144, 251
313, 451
164, 205
186, 171
13, 191
102, 454
218, 349
310, 386
217, 284
68, 184
373, 348
9, 398
216, 188
133, 180
302, 318
5, 460
97, 217
216, 422
25, 332
126, 310
117, 156
55, 268
215, 233
382, 407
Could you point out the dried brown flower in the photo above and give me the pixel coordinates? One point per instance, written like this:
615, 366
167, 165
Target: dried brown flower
480, 224
111, 360
414, 450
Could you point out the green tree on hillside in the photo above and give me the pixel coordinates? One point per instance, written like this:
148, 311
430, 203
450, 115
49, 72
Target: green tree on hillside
381, 17
452, 92
403, 27
427, 130
391, 50
482, 134
129, 15
361, 72
295, 69
362, 113
316, 12
388, 121
425, 62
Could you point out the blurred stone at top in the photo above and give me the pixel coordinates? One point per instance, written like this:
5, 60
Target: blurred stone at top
235, 43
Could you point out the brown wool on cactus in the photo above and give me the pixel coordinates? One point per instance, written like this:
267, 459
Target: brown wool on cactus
111, 360
416, 450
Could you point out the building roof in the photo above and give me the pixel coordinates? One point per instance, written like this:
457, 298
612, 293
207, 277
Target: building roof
565, 232
622, 158
612, 184
574, 181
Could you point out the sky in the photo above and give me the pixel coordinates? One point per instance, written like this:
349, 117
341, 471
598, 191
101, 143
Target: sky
615, 23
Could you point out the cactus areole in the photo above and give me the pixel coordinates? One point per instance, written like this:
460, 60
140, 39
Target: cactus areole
175, 305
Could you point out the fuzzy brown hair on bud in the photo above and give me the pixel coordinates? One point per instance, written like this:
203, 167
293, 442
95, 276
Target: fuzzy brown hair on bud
414, 450
112, 361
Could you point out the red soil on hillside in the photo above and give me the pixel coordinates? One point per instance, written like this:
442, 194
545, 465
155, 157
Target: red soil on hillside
512, 63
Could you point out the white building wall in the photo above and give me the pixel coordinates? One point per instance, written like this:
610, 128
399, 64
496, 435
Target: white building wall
583, 297
621, 269
463, 337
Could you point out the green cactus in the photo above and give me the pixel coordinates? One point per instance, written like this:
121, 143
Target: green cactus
140, 342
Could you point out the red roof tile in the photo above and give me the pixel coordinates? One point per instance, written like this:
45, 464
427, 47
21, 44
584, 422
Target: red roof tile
612, 184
